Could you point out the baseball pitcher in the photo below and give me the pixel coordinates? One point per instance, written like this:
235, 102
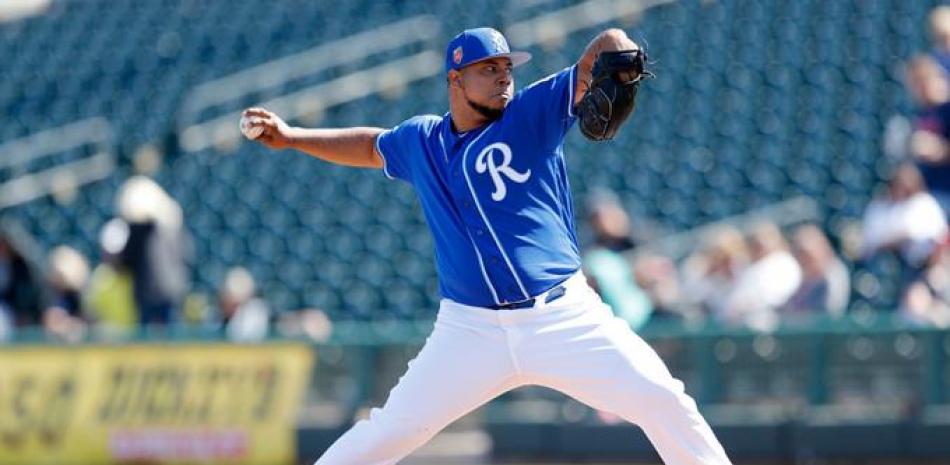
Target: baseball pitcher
515, 310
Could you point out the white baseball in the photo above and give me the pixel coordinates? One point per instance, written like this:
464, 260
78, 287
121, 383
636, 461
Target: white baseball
251, 132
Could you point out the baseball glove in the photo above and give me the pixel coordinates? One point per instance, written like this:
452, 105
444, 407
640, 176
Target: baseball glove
610, 99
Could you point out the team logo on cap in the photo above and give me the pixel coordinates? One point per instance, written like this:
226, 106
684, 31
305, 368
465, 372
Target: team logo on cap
498, 41
457, 55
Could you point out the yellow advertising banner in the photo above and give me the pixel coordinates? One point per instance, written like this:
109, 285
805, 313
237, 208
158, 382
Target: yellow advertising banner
151, 403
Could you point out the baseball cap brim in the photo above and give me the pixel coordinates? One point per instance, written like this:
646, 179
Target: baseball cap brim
517, 59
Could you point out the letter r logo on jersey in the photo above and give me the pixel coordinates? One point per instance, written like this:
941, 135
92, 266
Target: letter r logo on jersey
486, 161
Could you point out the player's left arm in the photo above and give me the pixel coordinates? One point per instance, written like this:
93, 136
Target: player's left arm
610, 40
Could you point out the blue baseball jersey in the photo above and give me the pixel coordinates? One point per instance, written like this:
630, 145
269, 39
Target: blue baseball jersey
496, 198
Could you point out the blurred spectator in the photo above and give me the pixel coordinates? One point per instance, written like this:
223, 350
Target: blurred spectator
311, 323
657, 276
244, 317
940, 35
6, 323
605, 265
109, 299
825, 285
67, 274
767, 283
710, 274
156, 249
906, 220
926, 300
930, 88
198, 311
19, 289
609, 222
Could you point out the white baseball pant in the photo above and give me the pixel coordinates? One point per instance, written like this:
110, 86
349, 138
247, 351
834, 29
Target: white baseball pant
574, 345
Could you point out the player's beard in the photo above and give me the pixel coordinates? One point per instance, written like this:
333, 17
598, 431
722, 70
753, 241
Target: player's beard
491, 114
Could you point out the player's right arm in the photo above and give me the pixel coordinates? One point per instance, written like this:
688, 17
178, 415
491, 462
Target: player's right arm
345, 146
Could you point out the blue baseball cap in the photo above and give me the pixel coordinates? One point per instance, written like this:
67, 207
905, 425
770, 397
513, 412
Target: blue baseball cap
474, 45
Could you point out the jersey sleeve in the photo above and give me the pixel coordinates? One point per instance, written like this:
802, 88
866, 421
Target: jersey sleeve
548, 105
401, 145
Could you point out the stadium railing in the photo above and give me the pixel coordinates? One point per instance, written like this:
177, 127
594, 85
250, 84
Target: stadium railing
827, 358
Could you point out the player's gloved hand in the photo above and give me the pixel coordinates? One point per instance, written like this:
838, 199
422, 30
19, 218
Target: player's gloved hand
276, 133
612, 93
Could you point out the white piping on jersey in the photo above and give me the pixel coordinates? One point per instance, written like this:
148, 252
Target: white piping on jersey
381, 155
444, 153
570, 95
485, 218
481, 261
481, 266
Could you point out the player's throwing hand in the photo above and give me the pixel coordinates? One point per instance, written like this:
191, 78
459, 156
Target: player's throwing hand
275, 133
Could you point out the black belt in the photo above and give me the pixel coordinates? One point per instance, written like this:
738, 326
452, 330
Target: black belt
552, 295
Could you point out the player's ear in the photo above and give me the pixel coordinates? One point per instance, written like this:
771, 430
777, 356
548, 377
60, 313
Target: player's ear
455, 79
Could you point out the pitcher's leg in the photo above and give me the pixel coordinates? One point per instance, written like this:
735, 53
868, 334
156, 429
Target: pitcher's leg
457, 370
598, 360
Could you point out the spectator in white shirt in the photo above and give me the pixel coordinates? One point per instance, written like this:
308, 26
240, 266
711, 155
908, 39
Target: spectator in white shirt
767, 283
906, 220
710, 273
244, 316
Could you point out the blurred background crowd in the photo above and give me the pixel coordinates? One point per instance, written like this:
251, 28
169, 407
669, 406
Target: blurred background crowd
138, 282
756, 273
